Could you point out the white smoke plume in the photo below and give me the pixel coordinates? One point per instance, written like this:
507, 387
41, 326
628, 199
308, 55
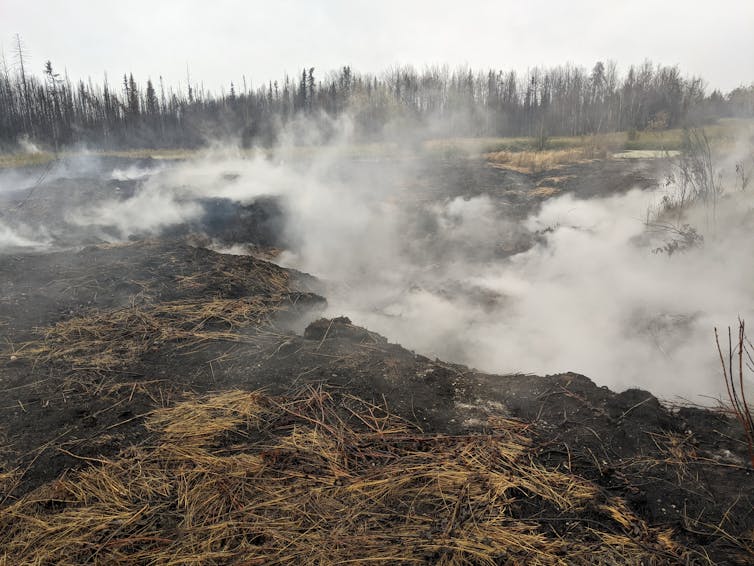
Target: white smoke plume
589, 296
133, 173
28, 146
22, 237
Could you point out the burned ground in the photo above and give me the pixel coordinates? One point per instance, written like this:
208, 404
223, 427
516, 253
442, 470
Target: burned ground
46, 196
135, 364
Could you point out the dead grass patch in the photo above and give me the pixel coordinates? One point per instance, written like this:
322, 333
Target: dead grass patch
218, 303
10, 160
106, 340
317, 479
532, 162
543, 192
556, 180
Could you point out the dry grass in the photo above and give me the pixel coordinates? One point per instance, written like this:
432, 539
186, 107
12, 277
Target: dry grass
556, 180
543, 192
311, 479
676, 452
102, 340
532, 162
10, 160
206, 311
223, 274
8, 476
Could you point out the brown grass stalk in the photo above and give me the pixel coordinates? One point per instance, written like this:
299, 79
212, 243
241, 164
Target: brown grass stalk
737, 395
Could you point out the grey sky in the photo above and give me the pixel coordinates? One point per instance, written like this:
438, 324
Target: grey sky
221, 40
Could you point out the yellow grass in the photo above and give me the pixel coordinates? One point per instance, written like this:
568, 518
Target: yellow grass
247, 478
113, 339
532, 162
10, 160
543, 192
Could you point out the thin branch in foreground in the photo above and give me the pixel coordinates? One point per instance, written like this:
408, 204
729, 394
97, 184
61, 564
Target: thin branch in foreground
737, 396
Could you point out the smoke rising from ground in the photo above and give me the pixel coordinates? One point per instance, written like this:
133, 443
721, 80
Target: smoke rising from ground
436, 275
22, 236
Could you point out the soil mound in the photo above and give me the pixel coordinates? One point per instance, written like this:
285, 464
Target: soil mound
340, 327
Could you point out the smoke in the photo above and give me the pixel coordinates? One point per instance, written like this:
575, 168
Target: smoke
22, 236
148, 211
440, 272
589, 297
27, 146
133, 173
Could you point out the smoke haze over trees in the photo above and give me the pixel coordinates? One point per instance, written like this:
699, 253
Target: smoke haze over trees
56, 111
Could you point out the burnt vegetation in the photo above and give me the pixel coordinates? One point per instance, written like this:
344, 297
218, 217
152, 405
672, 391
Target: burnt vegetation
172, 393
54, 110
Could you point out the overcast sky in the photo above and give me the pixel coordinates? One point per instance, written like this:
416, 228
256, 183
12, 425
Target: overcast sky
220, 40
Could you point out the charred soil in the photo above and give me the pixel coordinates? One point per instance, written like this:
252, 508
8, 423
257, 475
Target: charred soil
160, 402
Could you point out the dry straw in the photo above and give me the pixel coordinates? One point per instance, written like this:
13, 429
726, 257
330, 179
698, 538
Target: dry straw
319, 478
212, 305
534, 162
114, 339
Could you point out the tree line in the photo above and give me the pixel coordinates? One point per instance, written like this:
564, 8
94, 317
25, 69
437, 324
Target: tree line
55, 111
